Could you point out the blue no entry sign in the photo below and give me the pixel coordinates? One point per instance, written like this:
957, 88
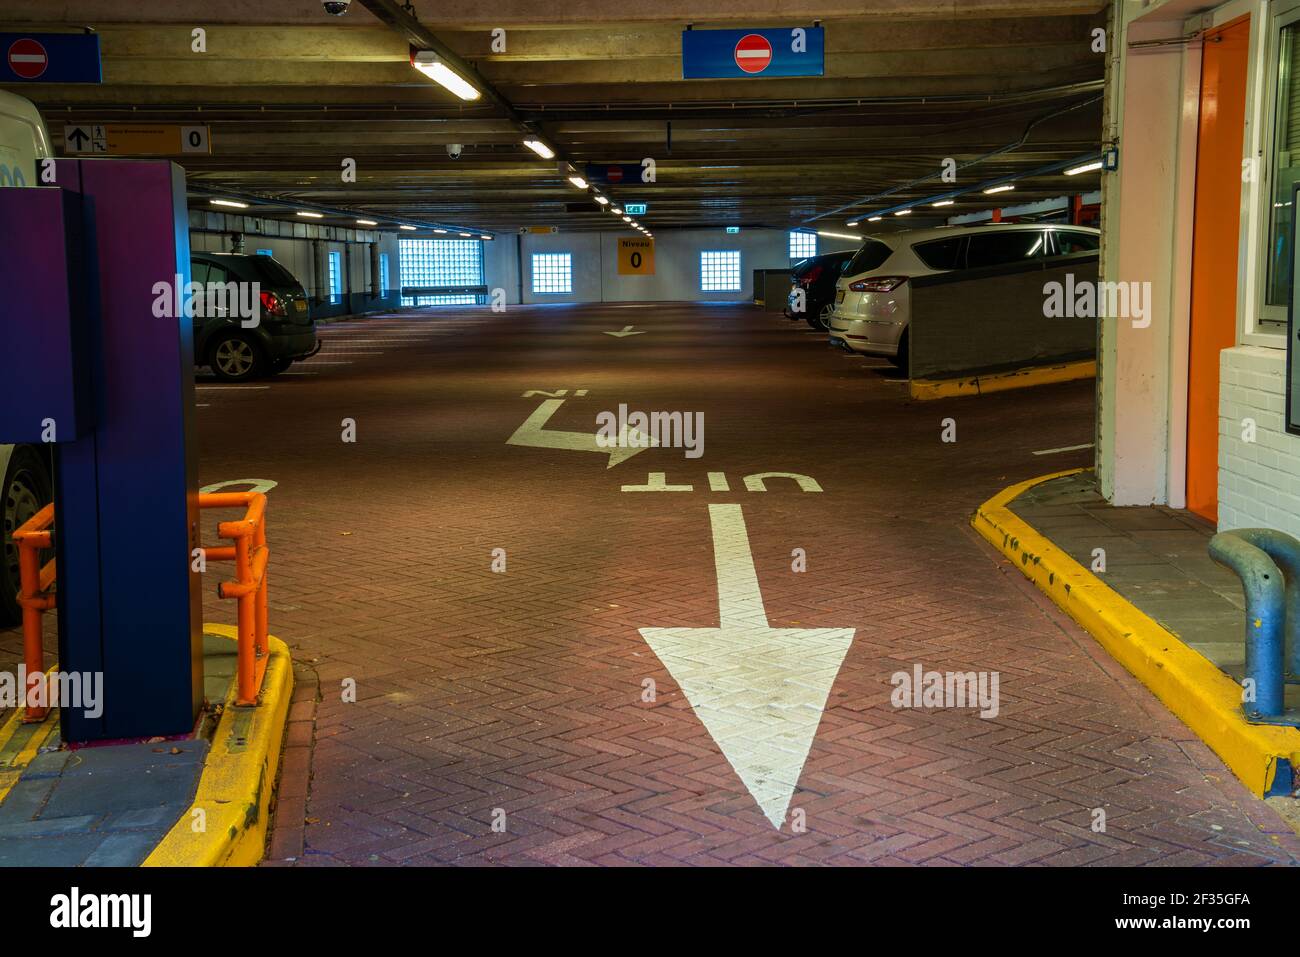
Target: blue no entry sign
49, 58
729, 54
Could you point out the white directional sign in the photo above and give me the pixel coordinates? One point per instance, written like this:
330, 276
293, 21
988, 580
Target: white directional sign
625, 331
760, 691
534, 435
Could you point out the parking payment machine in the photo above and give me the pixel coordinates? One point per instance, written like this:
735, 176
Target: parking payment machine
91, 371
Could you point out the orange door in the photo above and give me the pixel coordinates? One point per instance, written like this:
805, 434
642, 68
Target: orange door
1214, 253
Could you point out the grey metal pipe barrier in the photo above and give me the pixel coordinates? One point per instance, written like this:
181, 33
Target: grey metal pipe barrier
1268, 563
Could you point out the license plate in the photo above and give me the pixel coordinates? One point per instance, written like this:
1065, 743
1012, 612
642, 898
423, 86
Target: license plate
300, 306
839, 296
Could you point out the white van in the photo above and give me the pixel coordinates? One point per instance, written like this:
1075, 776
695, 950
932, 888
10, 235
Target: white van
27, 484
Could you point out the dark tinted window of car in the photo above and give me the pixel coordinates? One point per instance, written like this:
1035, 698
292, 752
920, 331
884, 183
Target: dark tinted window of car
871, 256
940, 253
996, 249
198, 271
1074, 241
218, 274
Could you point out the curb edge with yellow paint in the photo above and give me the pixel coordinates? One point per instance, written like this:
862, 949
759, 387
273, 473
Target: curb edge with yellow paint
1002, 381
238, 776
1190, 685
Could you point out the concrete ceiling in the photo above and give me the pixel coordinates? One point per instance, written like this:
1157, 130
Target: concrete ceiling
290, 91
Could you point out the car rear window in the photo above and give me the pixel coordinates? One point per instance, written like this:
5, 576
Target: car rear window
1075, 241
996, 249
872, 255
940, 253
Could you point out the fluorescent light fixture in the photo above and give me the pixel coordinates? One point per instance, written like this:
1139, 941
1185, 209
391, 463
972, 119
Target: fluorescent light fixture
468, 235
484, 236
578, 181
943, 202
616, 211
1085, 168
310, 215
903, 212
540, 148
436, 230
366, 222
431, 65
873, 219
602, 200
822, 232
1004, 188
411, 228
627, 219
228, 202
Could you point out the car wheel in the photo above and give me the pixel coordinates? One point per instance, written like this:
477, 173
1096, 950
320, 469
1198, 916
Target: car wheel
236, 358
900, 359
824, 316
26, 490
279, 365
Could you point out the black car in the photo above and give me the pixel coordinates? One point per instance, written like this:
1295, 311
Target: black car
235, 347
816, 278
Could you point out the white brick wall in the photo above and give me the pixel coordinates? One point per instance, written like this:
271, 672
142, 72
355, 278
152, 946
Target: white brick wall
1259, 482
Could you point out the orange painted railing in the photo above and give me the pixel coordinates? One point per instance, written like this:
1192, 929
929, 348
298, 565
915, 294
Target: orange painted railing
249, 552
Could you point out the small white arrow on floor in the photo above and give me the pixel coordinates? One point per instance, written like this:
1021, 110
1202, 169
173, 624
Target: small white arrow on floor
533, 434
625, 331
760, 691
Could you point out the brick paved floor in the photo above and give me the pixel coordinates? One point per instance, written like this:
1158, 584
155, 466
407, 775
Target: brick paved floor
523, 691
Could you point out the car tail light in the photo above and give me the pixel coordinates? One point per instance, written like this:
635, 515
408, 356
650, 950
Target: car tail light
878, 284
273, 305
811, 275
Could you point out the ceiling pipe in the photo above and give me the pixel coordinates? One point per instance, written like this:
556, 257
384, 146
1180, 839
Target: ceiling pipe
1009, 148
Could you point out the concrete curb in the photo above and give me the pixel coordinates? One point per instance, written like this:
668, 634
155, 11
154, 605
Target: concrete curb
1002, 381
1189, 685
237, 782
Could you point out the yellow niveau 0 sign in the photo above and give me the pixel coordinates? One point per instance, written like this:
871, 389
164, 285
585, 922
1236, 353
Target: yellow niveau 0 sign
636, 257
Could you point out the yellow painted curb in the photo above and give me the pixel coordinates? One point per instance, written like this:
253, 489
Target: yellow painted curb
1190, 685
238, 777
1002, 381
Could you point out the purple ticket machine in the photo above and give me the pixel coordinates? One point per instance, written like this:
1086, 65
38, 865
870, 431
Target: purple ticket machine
88, 367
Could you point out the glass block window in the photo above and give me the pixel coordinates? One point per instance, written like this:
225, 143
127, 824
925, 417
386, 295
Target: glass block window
383, 273
440, 262
336, 276
552, 272
720, 270
803, 245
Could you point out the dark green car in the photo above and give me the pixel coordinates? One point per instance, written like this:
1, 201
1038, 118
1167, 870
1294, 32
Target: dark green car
264, 336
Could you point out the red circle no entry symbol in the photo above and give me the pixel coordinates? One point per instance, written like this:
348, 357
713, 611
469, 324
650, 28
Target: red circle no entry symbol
27, 58
753, 53
614, 174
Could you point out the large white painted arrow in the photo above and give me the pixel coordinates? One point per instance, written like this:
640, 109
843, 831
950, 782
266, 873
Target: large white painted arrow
533, 434
760, 691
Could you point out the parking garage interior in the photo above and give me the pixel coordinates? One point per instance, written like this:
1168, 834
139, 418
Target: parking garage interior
670, 435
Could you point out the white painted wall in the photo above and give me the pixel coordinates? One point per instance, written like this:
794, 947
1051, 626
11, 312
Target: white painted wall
677, 264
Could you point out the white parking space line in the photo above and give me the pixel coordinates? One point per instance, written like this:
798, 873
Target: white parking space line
234, 387
1066, 448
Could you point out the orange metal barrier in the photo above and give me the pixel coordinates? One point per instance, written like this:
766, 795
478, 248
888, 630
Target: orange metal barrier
249, 552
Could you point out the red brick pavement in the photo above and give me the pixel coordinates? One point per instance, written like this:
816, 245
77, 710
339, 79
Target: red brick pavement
522, 691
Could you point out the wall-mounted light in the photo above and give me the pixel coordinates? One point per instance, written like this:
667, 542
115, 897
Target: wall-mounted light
432, 66
822, 232
1085, 168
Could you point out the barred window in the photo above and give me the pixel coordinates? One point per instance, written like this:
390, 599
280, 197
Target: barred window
552, 272
720, 270
803, 245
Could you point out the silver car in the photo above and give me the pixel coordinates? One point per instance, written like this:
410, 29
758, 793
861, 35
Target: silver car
873, 301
